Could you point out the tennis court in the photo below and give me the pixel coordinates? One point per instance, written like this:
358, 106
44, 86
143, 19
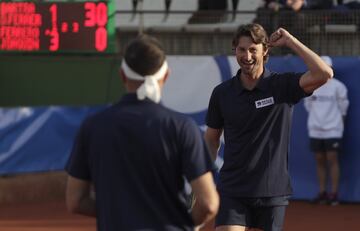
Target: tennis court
52, 216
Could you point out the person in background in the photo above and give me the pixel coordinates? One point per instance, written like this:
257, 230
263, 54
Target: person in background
276, 5
327, 108
138, 155
280, 13
350, 4
319, 4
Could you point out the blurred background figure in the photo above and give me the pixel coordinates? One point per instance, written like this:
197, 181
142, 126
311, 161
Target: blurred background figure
279, 13
277, 5
210, 11
319, 4
157, 153
350, 4
137, 6
327, 108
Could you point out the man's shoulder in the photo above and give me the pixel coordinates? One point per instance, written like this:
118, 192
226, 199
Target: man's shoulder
223, 86
175, 122
164, 117
101, 114
274, 74
168, 112
178, 117
283, 79
95, 118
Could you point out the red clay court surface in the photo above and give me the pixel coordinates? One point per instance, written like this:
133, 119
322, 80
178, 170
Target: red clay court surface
301, 216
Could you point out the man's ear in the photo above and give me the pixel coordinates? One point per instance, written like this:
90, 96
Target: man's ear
123, 76
166, 75
266, 50
163, 80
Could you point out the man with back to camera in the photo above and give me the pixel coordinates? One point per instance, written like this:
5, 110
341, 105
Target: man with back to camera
137, 154
254, 110
327, 108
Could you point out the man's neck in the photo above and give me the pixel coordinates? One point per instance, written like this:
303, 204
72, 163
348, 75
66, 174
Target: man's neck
249, 81
132, 86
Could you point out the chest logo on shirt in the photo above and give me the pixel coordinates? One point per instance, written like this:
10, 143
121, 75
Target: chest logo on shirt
264, 102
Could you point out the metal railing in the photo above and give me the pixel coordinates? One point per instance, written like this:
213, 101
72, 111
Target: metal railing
327, 32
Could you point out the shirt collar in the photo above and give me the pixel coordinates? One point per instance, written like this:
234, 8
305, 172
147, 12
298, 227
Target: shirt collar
131, 97
262, 85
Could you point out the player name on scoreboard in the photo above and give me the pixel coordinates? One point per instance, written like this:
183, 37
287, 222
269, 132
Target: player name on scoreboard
19, 26
59, 26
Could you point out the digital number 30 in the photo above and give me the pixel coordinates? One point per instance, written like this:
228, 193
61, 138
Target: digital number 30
96, 15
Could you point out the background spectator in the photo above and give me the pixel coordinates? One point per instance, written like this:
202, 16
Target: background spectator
319, 4
210, 11
327, 108
279, 13
349, 4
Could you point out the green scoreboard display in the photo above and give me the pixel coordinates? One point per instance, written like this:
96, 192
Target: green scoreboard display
57, 26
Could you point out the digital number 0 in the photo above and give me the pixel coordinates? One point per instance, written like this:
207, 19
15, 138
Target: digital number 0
100, 39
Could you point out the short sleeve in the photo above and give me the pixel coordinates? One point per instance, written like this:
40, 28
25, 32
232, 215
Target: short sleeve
78, 162
342, 98
196, 159
214, 118
289, 88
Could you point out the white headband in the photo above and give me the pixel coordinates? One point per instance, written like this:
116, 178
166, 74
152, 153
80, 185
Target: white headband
150, 88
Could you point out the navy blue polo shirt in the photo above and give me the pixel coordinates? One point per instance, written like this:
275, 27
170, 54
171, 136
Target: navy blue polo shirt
138, 155
256, 127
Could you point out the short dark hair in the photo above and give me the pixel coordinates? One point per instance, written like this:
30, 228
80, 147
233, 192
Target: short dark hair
144, 55
256, 32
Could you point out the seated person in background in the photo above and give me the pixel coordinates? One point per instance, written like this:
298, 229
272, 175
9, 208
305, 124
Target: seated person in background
339, 15
279, 13
349, 4
276, 5
209, 11
319, 4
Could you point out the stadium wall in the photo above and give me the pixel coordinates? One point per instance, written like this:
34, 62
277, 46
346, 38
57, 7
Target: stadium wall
36, 139
34, 80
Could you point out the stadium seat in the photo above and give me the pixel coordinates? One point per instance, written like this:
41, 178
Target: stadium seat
155, 21
177, 21
131, 21
233, 21
126, 21
333, 28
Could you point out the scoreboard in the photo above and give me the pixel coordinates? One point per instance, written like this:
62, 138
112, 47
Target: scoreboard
57, 26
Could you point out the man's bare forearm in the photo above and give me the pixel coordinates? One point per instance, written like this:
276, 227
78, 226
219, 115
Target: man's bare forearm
314, 63
214, 149
212, 139
87, 207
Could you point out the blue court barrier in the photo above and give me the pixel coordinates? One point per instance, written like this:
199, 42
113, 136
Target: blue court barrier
34, 139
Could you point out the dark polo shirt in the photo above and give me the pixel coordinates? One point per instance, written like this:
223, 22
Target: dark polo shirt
256, 127
138, 155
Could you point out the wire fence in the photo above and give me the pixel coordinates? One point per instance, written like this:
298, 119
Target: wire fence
327, 32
